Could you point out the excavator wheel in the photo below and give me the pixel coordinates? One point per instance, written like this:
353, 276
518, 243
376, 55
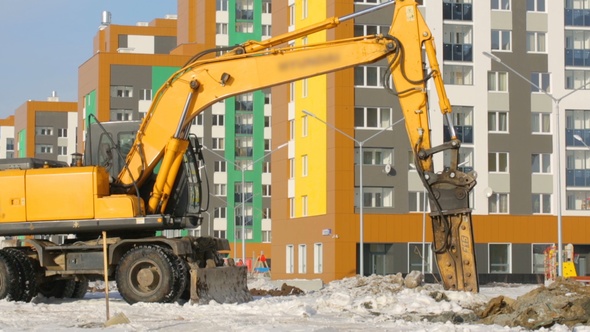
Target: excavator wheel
28, 280
181, 275
80, 288
8, 283
146, 274
58, 288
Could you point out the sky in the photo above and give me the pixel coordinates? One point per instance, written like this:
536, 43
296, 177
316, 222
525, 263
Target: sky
373, 303
43, 42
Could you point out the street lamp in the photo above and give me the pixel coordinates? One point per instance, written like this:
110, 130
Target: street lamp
579, 138
556, 141
243, 169
361, 161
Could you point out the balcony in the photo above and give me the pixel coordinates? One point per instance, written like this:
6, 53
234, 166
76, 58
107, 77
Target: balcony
458, 52
570, 141
577, 17
578, 58
244, 129
464, 134
577, 177
248, 220
458, 11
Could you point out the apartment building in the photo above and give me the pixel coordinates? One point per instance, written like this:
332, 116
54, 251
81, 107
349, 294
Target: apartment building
45, 129
532, 166
7, 137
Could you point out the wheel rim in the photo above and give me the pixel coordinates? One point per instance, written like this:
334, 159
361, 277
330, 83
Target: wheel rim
145, 277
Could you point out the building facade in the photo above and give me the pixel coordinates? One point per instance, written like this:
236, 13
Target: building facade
7, 137
45, 130
507, 126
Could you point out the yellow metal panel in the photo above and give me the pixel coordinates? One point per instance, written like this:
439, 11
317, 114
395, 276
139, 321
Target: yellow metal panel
116, 206
63, 193
12, 196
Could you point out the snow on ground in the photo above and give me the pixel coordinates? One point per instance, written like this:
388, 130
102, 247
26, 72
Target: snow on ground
353, 304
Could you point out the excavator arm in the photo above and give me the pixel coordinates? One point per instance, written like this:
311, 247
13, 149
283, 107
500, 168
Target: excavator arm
256, 65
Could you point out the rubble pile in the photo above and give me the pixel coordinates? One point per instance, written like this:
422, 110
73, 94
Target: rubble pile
565, 301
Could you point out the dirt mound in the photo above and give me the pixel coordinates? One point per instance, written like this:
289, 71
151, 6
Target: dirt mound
565, 301
285, 290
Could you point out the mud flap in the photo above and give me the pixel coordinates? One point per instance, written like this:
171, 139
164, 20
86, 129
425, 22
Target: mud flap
222, 284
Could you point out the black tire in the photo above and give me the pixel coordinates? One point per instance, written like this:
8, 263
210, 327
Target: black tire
179, 275
28, 282
80, 288
18, 276
57, 288
147, 274
8, 283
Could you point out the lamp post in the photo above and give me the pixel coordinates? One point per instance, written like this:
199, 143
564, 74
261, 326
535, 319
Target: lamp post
579, 138
556, 151
361, 161
243, 170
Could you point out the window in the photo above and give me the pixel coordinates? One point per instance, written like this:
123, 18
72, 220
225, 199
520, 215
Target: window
318, 258
304, 9
44, 131
304, 126
43, 148
500, 257
463, 123
266, 30
541, 163
576, 13
302, 259
497, 122
577, 79
372, 117
266, 236
198, 120
220, 189
145, 94
267, 122
266, 190
541, 123
220, 212
542, 81
9, 144
539, 257
244, 102
266, 213
577, 47
458, 10
292, 207
221, 5
291, 168
368, 76
267, 97
304, 165
244, 123
221, 28
542, 203
121, 115
62, 150
244, 10
220, 166
244, 27
374, 156
247, 192
501, 4
366, 30
267, 145
417, 257
218, 143
217, 119
457, 42
501, 40
497, 81
376, 197
578, 200
266, 6
291, 129
498, 203
243, 146
418, 201
535, 42
220, 234
289, 268
292, 14
121, 91
62, 132
266, 167
498, 162
304, 206
535, 5
458, 74
248, 232
578, 168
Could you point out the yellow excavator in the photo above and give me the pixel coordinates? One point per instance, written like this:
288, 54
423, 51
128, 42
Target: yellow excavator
151, 181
